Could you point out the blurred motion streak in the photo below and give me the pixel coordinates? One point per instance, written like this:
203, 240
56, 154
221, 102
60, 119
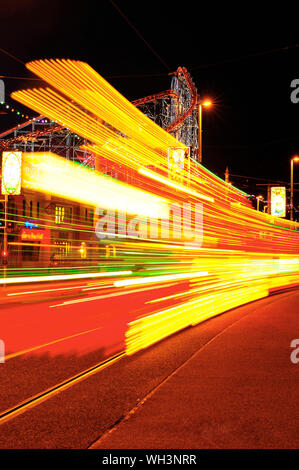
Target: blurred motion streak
46, 172
243, 254
62, 277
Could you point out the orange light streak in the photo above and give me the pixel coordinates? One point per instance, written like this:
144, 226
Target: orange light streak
244, 254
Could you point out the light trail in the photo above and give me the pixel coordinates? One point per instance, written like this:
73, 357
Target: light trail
244, 253
156, 279
106, 296
50, 343
179, 187
82, 84
40, 291
61, 277
149, 329
47, 172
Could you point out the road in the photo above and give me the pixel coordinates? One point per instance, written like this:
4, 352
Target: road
225, 383
53, 333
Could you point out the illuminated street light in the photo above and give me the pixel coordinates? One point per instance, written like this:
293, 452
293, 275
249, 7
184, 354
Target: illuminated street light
207, 104
258, 199
294, 159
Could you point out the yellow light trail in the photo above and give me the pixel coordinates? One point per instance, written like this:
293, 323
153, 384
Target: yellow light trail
179, 187
149, 329
47, 172
130, 137
86, 87
156, 279
244, 253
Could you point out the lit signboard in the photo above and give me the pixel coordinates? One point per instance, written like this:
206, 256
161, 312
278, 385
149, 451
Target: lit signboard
278, 201
178, 160
32, 234
11, 172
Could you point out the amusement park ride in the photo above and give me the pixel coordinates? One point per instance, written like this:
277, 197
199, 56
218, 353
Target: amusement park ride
177, 110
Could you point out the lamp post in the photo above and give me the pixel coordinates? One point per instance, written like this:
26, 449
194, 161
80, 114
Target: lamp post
206, 104
258, 199
294, 159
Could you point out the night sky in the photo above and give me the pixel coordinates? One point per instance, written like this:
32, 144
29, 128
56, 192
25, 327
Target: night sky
244, 58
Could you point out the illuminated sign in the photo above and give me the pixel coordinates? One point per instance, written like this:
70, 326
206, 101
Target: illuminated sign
178, 161
11, 172
30, 224
32, 234
177, 156
278, 201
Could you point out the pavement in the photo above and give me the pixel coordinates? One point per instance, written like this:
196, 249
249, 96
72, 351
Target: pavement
239, 390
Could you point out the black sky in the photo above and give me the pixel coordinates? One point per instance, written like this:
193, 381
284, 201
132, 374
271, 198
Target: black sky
253, 128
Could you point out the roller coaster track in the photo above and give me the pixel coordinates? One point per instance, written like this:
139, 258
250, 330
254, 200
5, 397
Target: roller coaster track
156, 96
177, 123
29, 136
173, 94
194, 98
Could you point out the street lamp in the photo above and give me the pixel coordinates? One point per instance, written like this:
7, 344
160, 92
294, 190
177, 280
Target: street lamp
294, 159
258, 199
207, 104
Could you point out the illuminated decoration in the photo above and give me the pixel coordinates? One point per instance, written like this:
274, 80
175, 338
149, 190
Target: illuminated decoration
11, 173
178, 161
19, 113
278, 201
30, 224
32, 234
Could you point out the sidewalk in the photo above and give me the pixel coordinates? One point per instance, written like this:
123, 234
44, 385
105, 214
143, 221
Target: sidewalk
238, 391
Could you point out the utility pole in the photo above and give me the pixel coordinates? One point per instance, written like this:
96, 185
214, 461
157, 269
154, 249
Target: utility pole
269, 198
294, 159
226, 175
5, 234
268, 195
